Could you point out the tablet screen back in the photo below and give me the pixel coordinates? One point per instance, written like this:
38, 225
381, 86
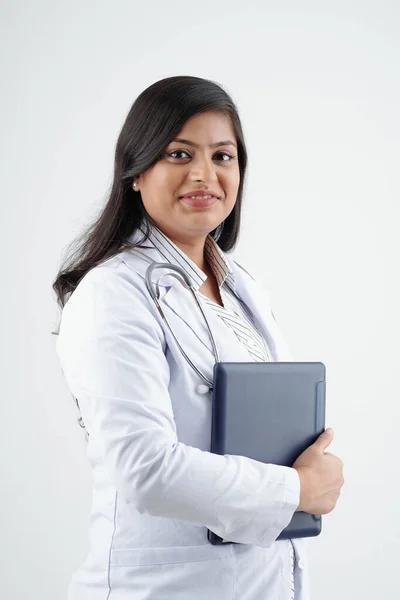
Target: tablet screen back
270, 412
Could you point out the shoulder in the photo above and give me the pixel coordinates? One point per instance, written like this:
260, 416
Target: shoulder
260, 286
107, 325
109, 295
111, 280
243, 269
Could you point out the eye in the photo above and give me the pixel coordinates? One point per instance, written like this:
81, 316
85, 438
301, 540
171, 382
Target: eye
228, 157
177, 152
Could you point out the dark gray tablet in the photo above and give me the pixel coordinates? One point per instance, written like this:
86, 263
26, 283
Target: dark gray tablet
271, 412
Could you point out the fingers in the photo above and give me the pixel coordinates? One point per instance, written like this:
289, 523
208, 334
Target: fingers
324, 439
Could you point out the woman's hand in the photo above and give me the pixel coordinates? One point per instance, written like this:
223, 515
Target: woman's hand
321, 477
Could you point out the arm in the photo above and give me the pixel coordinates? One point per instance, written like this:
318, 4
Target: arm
111, 349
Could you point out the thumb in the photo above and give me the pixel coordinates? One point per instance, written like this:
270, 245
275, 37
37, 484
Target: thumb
324, 439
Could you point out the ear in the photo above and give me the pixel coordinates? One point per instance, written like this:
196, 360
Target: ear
136, 183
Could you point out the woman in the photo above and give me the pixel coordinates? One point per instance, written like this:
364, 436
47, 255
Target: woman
180, 168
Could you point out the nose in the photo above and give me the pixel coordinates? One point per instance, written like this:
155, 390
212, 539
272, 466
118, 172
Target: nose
203, 169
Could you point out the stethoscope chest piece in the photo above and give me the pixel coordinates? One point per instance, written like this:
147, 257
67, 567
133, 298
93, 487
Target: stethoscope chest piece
203, 389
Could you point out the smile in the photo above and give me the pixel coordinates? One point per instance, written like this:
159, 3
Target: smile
200, 201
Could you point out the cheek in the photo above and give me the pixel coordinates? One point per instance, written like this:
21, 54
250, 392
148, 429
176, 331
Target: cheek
232, 183
160, 178
159, 185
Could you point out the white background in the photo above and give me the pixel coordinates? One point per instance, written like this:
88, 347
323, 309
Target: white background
318, 89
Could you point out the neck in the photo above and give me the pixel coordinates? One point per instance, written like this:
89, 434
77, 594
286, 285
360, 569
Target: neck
194, 250
193, 247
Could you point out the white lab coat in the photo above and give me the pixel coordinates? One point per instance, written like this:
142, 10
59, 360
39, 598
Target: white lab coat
156, 486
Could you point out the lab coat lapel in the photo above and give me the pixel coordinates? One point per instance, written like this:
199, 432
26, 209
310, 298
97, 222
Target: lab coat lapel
181, 309
185, 318
256, 297
182, 304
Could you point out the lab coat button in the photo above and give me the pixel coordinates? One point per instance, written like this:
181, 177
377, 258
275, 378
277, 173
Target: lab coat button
202, 389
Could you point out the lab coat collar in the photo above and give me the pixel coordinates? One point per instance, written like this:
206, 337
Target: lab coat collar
181, 302
171, 253
183, 307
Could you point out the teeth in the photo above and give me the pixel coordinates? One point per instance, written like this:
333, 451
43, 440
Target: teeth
199, 197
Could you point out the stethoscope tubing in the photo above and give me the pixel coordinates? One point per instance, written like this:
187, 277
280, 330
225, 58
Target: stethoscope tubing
180, 274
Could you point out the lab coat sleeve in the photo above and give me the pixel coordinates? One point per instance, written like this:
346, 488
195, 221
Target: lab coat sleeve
111, 349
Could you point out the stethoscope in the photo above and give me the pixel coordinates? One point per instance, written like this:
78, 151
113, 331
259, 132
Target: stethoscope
181, 275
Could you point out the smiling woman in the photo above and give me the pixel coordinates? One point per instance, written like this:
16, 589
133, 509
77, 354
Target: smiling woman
182, 135
176, 198
194, 186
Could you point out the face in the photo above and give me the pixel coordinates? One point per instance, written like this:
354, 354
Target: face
207, 161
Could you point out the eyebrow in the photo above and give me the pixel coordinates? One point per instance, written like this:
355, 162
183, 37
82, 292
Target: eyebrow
189, 143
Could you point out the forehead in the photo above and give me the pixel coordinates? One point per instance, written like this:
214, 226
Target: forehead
208, 127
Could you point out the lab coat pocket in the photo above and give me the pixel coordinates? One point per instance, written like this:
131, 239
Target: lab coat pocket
180, 572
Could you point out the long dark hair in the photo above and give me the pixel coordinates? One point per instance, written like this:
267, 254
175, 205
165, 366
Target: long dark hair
154, 119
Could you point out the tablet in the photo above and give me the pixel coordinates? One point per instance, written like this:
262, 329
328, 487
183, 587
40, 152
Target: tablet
270, 412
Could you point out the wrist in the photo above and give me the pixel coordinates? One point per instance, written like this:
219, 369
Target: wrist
303, 473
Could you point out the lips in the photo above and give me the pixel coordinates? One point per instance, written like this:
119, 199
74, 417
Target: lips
199, 202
